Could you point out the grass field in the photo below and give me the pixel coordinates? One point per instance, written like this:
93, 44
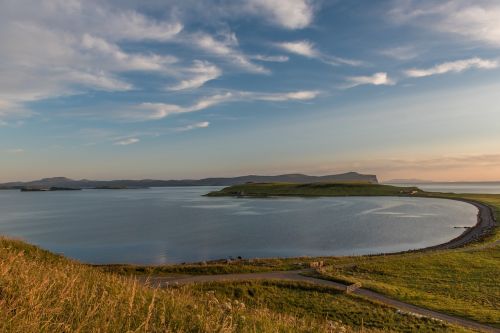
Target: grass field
319, 302
42, 292
458, 282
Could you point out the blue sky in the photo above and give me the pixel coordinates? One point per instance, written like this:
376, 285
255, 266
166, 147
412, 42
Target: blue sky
188, 89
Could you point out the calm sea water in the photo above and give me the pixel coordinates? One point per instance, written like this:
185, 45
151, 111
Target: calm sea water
491, 188
171, 225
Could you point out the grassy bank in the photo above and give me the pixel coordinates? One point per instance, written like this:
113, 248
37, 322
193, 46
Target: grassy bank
314, 189
319, 302
458, 282
42, 292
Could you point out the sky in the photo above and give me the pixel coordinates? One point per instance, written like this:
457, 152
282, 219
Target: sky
190, 89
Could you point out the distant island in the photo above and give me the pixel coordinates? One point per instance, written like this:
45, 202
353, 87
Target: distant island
314, 189
63, 182
47, 189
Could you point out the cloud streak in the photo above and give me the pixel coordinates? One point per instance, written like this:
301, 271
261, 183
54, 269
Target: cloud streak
453, 67
200, 73
307, 49
203, 124
226, 48
155, 111
126, 142
377, 79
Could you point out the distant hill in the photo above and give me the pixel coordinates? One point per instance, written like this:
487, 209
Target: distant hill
288, 178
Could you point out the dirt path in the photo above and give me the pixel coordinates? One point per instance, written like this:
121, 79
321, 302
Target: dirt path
296, 276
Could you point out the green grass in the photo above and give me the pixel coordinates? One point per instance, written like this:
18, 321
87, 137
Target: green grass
216, 267
458, 282
42, 292
314, 189
320, 302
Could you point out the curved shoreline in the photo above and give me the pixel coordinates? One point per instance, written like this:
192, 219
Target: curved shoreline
485, 224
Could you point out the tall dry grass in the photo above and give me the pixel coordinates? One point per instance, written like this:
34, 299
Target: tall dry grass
42, 292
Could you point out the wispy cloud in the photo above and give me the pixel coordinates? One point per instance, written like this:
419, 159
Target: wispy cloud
155, 111
203, 124
376, 79
226, 47
126, 142
200, 73
278, 58
290, 14
477, 21
116, 57
453, 67
407, 52
302, 47
307, 49
80, 49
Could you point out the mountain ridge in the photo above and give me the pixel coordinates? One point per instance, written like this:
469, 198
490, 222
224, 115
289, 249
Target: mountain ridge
212, 181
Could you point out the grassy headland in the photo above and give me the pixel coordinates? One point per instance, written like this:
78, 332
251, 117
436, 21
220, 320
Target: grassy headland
313, 190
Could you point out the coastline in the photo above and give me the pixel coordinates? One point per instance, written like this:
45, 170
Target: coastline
484, 227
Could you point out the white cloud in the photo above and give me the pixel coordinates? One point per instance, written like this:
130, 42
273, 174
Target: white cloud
307, 49
407, 52
454, 67
200, 73
278, 58
126, 142
297, 96
473, 20
290, 14
203, 124
301, 47
376, 79
100, 80
226, 48
115, 57
156, 111
56, 48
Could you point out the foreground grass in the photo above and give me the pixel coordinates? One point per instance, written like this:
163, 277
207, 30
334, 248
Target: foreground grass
319, 302
462, 283
41, 292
